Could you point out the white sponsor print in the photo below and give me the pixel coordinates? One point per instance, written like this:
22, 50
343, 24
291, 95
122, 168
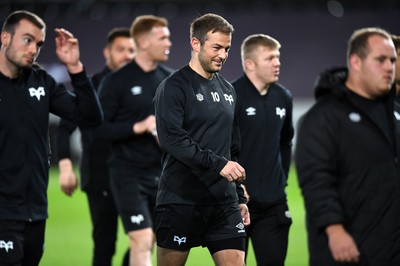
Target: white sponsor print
281, 112
251, 111
137, 219
6, 245
287, 214
136, 90
355, 117
180, 240
36, 92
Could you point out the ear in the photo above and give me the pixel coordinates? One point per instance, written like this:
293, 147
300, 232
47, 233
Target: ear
142, 41
249, 64
106, 53
355, 62
195, 43
5, 38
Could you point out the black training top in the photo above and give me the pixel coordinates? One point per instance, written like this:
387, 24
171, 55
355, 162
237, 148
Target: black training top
266, 132
93, 164
25, 104
127, 97
195, 122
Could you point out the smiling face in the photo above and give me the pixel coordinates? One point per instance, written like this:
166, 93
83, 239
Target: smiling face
213, 53
23, 47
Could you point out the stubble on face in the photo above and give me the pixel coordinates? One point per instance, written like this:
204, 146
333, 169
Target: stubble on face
214, 51
24, 45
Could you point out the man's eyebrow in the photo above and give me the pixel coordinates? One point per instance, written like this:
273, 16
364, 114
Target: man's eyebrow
40, 43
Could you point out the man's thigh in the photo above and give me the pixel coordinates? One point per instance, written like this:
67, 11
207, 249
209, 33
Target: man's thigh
21, 242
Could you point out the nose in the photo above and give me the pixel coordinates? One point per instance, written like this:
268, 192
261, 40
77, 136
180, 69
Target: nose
223, 54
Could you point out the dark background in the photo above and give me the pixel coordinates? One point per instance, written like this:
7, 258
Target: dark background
313, 33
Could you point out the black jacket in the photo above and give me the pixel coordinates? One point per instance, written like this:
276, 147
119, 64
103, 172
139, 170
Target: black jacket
347, 159
25, 104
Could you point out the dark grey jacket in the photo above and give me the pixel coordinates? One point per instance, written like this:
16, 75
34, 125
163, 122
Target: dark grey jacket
347, 159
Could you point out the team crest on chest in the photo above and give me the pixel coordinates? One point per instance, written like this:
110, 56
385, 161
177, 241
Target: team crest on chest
396, 115
251, 111
281, 112
136, 90
199, 97
36, 92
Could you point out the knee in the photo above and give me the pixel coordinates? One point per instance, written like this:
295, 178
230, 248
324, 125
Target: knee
143, 238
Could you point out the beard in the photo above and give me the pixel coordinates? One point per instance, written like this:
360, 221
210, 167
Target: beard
207, 64
19, 60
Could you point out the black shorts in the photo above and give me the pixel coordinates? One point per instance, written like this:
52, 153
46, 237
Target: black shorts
181, 227
135, 196
21, 243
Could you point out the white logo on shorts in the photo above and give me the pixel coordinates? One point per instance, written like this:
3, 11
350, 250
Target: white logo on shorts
137, 219
6, 245
180, 240
240, 226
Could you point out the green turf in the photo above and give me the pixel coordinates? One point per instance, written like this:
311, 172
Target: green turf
68, 233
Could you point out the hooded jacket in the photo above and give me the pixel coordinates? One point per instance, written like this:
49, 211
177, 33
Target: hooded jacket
347, 159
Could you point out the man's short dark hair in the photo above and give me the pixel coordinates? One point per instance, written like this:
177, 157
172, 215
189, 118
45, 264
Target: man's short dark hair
15, 17
116, 33
206, 23
358, 42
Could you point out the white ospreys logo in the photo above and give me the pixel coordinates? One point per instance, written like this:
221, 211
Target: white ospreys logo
281, 112
137, 219
6, 245
180, 240
37, 92
228, 98
251, 111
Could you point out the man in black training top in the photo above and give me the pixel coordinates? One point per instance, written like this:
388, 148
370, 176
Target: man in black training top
95, 181
264, 114
135, 163
28, 94
197, 199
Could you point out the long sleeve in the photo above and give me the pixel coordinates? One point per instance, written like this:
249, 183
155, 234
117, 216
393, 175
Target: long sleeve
316, 162
62, 139
87, 111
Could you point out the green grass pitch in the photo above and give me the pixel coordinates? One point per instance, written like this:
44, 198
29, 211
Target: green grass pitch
68, 233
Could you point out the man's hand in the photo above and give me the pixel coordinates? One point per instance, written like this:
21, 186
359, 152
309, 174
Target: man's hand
245, 214
341, 244
246, 194
68, 179
67, 50
233, 171
147, 125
